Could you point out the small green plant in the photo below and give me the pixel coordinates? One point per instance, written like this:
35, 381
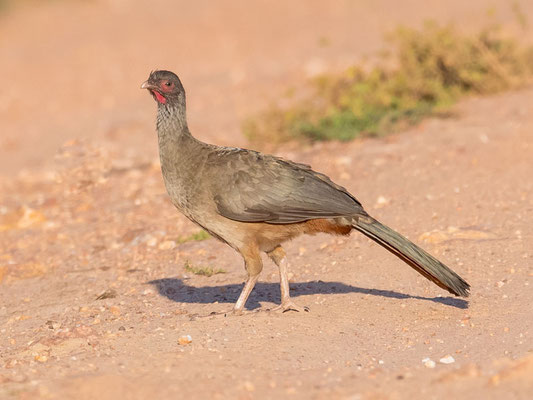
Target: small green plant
431, 69
195, 237
202, 270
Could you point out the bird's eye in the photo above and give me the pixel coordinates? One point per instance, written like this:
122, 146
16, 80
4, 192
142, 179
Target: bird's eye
168, 84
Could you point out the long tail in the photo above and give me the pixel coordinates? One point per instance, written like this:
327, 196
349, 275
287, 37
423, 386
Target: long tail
413, 255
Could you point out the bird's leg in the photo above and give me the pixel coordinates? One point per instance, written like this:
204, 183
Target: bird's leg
254, 266
278, 256
246, 290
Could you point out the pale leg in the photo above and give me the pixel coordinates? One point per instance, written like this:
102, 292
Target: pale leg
246, 290
278, 256
254, 266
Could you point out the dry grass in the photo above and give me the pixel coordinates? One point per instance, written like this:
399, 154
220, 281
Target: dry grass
195, 237
202, 270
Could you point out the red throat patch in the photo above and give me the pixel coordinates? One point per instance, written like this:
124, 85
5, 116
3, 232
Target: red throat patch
160, 98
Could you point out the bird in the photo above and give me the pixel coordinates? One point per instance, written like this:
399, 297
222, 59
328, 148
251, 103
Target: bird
255, 202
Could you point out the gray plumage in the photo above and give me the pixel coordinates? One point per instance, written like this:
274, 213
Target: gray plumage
254, 202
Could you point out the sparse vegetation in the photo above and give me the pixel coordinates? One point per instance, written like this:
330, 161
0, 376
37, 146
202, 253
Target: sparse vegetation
195, 237
202, 270
427, 71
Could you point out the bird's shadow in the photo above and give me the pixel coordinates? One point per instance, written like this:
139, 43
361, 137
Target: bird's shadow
176, 290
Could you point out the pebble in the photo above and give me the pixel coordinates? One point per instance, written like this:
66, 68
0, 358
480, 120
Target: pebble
428, 362
447, 360
53, 324
167, 245
108, 294
185, 339
114, 310
381, 202
41, 358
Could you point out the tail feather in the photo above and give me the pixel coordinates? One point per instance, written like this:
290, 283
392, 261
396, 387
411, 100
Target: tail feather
423, 262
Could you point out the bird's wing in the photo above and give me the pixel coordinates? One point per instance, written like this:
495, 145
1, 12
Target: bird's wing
252, 187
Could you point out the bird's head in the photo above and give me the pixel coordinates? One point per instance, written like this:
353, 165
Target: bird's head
165, 87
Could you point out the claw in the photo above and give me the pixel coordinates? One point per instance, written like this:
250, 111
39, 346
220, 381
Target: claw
289, 306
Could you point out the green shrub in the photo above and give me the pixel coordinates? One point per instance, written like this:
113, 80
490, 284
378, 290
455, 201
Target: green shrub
431, 69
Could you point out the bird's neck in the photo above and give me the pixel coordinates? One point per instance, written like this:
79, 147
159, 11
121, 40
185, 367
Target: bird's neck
172, 122
177, 147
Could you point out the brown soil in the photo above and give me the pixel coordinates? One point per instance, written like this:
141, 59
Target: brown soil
94, 297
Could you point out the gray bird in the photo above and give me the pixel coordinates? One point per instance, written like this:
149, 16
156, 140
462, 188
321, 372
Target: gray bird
255, 202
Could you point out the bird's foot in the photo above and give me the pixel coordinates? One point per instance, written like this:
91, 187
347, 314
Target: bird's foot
288, 305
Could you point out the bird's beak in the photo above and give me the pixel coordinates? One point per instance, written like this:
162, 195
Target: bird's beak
147, 85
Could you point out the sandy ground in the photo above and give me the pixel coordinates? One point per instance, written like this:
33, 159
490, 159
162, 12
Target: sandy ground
94, 296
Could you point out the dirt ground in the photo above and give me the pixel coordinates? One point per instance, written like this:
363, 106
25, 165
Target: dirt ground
95, 300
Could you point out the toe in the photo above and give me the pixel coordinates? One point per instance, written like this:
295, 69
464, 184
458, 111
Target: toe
289, 306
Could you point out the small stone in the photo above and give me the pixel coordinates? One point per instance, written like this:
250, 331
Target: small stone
108, 294
53, 325
41, 358
381, 201
114, 310
167, 245
122, 328
152, 241
447, 360
185, 339
429, 363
